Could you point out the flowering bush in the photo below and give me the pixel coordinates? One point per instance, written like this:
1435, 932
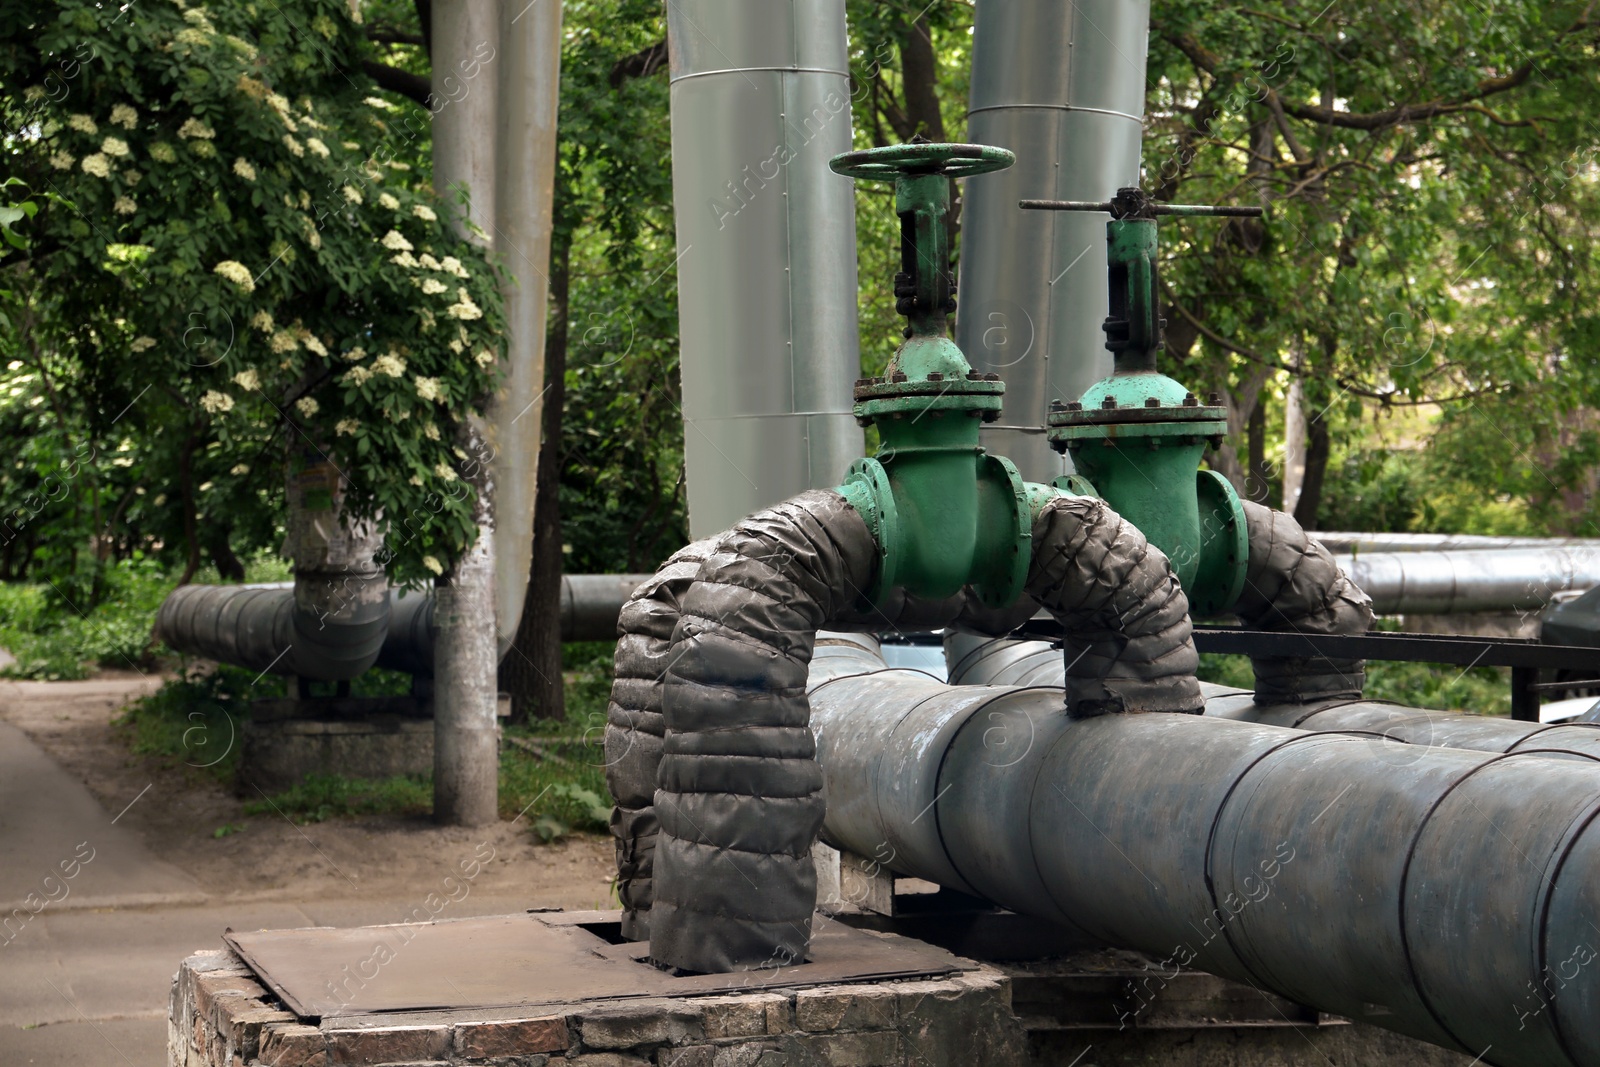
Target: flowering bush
236, 228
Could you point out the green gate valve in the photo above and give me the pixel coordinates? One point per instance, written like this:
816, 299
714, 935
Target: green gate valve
1138, 436
944, 513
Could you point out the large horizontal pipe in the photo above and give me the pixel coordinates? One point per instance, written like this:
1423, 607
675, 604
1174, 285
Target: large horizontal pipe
1344, 542
1448, 583
252, 626
325, 630
978, 661
1450, 903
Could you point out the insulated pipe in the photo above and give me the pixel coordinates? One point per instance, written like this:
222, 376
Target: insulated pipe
529, 71
1450, 903
766, 251
1447, 583
590, 604
239, 624
1345, 543
1062, 86
266, 628
328, 624
979, 661
737, 784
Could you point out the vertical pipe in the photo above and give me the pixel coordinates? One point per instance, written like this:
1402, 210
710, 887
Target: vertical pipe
766, 251
524, 181
1062, 86
465, 734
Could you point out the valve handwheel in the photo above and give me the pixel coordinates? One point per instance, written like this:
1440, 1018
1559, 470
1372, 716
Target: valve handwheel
892, 161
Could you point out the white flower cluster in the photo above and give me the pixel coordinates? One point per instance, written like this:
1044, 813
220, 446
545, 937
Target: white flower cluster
215, 402
62, 161
314, 345
124, 205
388, 201
97, 165
424, 212
124, 116
237, 273
248, 380
316, 145
390, 364
114, 146
430, 287
83, 124
405, 259
244, 170
452, 265
284, 341
464, 308
142, 343
295, 148
307, 406
428, 388
346, 426
396, 241
352, 194
193, 127
162, 152
428, 561
357, 376
262, 320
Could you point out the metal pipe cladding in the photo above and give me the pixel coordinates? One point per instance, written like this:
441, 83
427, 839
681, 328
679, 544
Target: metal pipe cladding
1297, 862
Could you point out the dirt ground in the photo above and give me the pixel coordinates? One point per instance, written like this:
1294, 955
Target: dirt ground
178, 811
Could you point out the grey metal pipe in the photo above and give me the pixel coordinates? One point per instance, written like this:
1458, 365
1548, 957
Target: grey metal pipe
1347, 543
328, 624
1062, 86
1295, 862
529, 72
251, 625
1447, 583
977, 660
590, 604
766, 251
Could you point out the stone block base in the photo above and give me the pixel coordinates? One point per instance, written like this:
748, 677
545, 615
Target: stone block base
221, 1017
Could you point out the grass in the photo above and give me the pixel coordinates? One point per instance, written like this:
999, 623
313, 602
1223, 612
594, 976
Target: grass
59, 632
552, 773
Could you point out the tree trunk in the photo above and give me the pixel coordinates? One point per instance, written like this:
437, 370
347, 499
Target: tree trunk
1258, 480
532, 672
1318, 448
190, 534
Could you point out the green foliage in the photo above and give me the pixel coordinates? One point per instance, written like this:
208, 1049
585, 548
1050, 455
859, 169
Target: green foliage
53, 638
1431, 180
242, 256
193, 721
622, 502
1477, 691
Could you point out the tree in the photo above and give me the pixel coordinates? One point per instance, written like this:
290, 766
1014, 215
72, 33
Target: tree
238, 254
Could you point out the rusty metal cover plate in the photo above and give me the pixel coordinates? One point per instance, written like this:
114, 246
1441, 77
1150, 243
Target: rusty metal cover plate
536, 959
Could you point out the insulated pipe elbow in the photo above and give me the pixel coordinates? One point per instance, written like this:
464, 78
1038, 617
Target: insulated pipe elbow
635, 726
322, 628
738, 785
1292, 583
1128, 642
